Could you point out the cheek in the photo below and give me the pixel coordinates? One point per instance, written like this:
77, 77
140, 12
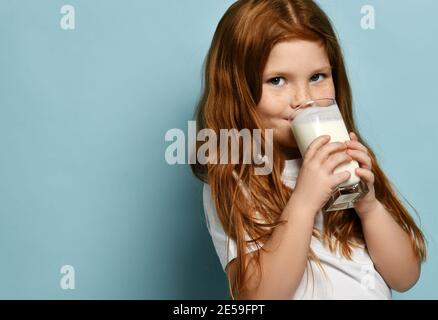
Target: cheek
272, 106
330, 89
324, 90
272, 118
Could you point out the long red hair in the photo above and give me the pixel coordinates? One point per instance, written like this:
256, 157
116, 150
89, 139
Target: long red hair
232, 89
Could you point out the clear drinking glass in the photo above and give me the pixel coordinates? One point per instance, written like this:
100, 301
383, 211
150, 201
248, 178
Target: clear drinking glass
322, 117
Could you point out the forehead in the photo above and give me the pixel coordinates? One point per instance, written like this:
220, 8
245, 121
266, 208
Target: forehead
297, 56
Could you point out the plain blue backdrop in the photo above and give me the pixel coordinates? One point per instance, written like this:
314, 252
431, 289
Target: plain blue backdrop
84, 112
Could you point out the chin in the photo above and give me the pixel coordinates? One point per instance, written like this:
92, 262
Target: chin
288, 141
288, 144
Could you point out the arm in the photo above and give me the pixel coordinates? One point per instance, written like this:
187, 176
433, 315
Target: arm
284, 256
390, 249
283, 263
388, 244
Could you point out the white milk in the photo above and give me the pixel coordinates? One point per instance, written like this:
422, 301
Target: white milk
306, 133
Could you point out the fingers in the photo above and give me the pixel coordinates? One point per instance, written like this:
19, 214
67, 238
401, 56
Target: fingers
353, 136
339, 178
363, 158
337, 159
325, 151
366, 174
353, 144
315, 145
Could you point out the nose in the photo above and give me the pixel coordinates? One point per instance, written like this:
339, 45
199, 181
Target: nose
303, 104
301, 95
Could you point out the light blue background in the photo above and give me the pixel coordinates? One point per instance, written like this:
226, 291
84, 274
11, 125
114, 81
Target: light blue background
83, 114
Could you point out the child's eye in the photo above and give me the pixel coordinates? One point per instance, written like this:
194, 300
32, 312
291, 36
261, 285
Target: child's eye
317, 76
277, 81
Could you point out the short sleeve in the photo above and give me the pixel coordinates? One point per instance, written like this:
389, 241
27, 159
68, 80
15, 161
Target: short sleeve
217, 233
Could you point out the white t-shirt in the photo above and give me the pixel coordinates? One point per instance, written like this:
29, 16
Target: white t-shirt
343, 278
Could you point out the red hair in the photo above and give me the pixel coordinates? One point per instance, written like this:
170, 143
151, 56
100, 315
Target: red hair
232, 90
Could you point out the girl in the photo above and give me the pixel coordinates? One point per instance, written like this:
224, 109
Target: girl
266, 58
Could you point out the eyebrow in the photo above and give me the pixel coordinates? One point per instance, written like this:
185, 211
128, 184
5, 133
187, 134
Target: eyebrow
282, 73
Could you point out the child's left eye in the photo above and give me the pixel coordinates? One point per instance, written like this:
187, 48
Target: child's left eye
317, 76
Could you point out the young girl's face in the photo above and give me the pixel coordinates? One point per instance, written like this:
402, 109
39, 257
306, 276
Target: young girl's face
296, 71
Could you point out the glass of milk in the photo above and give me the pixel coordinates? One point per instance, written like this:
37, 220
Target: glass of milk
322, 117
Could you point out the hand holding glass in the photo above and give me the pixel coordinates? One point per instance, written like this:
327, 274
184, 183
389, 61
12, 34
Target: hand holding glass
322, 117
